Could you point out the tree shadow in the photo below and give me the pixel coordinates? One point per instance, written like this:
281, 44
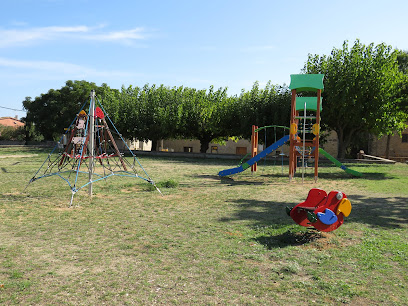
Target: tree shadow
386, 212
376, 211
289, 238
340, 175
230, 181
271, 216
260, 213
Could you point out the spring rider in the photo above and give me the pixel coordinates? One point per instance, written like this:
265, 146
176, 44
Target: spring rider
325, 212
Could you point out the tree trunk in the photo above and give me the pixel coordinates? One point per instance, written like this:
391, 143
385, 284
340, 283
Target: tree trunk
341, 146
155, 143
387, 148
204, 145
26, 134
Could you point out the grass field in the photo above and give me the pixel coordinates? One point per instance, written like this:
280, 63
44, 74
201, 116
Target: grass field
206, 241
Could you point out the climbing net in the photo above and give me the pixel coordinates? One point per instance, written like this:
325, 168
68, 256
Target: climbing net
79, 163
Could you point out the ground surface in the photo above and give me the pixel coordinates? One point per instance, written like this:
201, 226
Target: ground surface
206, 241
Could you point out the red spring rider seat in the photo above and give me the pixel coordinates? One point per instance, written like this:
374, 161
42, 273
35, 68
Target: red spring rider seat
323, 211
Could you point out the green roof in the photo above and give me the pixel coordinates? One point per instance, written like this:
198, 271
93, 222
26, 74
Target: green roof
311, 103
306, 82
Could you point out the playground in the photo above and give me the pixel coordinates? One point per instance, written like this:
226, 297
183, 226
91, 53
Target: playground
207, 240
199, 231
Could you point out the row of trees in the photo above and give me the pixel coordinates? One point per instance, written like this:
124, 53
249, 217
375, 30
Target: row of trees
365, 92
160, 112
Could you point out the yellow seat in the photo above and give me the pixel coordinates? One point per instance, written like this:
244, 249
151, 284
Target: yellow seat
344, 207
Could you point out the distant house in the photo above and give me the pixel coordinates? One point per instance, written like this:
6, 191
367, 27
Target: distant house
11, 131
10, 121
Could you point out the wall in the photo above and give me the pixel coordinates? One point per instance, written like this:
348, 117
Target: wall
133, 144
330, 146
398, 149
238, 148
230, 147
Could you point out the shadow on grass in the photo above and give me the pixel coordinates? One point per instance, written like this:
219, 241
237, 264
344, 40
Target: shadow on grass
386, 212
261, 213
269, 217
230, 181
288, 238
335, 176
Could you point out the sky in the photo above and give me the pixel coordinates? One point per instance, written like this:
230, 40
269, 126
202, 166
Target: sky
224, 43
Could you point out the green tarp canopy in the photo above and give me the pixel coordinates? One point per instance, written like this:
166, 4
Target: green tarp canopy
311, 103
306, 82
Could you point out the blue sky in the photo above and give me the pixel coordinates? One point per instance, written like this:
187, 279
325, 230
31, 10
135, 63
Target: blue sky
225, 43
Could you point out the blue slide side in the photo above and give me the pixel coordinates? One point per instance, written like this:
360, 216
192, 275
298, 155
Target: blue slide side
256, 158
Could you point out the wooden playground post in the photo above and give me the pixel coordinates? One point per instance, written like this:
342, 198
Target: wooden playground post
254, 146
292, 156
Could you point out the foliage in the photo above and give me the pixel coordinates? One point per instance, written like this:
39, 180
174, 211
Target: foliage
55, 110
11, 133
154, 113
160, 112
203, 115
262, 107
362, 91
402, 59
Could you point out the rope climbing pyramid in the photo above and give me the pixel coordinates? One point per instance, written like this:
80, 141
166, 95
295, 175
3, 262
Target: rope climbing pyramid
90, 153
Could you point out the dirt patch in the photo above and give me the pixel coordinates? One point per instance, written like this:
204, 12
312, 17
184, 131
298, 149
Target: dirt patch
17, 156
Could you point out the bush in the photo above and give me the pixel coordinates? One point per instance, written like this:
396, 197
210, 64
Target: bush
11, 133
168, 184
163, 184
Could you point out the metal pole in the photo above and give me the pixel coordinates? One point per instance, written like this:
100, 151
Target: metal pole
304, 141
91, 140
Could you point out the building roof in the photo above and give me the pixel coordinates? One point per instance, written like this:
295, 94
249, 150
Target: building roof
10, 121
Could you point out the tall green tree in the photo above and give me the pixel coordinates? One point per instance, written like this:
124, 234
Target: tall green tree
202, 115
402, 59
50, 113
159, 113
147, 113
362, 91
262, 107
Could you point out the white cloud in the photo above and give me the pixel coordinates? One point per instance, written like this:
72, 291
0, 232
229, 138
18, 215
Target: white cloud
27, 36
137, 33
62, 70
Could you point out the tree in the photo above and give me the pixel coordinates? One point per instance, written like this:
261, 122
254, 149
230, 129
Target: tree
159, 112
261, 107
50, 113
402, 59
160, 115
202, 115
361, 93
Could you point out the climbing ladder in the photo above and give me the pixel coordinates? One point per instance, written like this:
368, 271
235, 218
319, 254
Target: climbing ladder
305, 120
